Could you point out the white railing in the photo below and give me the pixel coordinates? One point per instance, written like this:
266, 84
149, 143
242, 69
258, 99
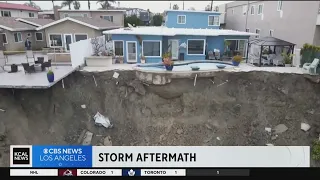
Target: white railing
296, 60
80, 50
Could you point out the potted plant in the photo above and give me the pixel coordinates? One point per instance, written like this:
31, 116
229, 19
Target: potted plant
121, 59
236, 60
50, 76
287, 59
143, 59
167, 62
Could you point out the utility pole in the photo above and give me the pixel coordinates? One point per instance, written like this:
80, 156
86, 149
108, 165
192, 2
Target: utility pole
182, 5
211, 5
247, 16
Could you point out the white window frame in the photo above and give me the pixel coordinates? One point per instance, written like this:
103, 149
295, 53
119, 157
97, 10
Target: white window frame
258, 36
6, 37
261, 9
114, 47
245, 10
108, 16
271, 31
248, 29
74, 36
238, 41
279, 8
254, 10
152, 41
18, 38
9, 12
30, 14
62, 41
213, 20
204, 47
127, 51
35, 36
185, 19
232, 11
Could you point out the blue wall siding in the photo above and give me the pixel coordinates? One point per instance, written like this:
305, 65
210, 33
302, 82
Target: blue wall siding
193, 20
126, 38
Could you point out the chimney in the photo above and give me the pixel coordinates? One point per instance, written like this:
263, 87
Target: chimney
56, 12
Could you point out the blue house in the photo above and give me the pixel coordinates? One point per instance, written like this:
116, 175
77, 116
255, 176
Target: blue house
187, 35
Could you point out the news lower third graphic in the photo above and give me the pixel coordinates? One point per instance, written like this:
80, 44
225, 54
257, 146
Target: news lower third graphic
61, 156
21, 156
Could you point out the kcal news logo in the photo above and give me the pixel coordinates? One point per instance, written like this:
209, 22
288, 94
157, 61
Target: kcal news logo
21, 156
62, 154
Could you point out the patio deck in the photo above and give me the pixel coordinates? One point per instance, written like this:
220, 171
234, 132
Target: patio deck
38, 80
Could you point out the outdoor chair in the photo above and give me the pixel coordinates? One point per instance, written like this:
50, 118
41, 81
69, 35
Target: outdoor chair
211, 55
40, 60
30, 55
27, 68
311, 68
2, 63
278, 60
46, 64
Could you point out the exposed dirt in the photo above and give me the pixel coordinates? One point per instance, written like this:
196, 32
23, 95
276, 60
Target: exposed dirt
234, 113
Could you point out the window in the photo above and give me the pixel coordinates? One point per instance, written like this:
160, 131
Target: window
5, 13
232, 11
109, 18
237, 46
252, 10
244, 9
31, 14
55, 40
279, 7
258, 32
271, 32
66, 15
195, 47
247, 30
17, 37
79, 37
28, 34
260, 9
213, 20
181, 19
39, 36
85, 15
151, 48
4, 38
118, 48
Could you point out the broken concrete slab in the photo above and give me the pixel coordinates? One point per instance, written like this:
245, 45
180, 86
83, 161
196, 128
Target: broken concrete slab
83, 106
107, 141
138, 87
305, 127
87, 138
281, 128
267, 129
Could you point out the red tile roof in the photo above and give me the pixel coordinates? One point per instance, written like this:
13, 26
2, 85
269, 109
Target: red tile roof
4, 5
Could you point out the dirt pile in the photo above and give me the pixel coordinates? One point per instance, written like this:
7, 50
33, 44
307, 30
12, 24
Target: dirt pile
229, 109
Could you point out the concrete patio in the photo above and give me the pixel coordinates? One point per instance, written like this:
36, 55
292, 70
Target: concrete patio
38, 80
21, 58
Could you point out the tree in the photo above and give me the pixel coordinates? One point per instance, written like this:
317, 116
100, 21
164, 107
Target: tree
89, 4
157, 20
175, 7
207, 8
105, 4
32, 4
133, 20
76, 5
192, 9
67, 3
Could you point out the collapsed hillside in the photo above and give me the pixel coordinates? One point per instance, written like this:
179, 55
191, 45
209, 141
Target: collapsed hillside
230, 109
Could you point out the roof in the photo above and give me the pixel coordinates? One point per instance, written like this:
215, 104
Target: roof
11, 24
270, 41
35, 21
210, 12
99, 10
4, 5
165, 31
46, 12
95, 23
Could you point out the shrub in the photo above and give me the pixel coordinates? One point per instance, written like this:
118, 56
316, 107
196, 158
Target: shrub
315, 152
50, 72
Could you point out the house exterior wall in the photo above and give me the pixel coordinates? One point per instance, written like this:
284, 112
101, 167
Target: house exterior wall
193, 19
19, 46
118, 16
316, 39
69, 27
20, 13
222, 10
296, 22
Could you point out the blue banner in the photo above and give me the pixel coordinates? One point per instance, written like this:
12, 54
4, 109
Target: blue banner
61, 156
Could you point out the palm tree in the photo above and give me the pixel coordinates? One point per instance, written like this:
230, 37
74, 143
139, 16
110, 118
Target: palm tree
175, 7
89, 4
67, 3
105, 4
76, 5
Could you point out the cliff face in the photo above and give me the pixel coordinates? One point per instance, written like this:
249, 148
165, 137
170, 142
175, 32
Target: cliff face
230, 109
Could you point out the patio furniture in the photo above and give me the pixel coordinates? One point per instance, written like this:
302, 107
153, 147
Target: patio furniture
216, 54
46, 65
3, 57
38, 67
40, 60
270, 57
311, 68
211, 55
30, 55
27, 68
278, 60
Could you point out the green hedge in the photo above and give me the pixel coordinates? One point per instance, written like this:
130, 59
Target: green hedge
309, 52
